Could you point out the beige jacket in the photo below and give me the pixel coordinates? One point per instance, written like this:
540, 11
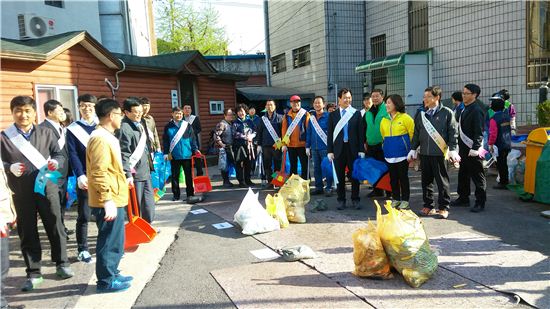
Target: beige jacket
106, 178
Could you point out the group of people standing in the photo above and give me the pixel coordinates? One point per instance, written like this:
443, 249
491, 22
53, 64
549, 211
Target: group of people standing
109, 150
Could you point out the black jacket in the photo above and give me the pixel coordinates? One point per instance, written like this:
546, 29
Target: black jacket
263, 137
444, 122
356, 134
129, 136
63, 169
472, 120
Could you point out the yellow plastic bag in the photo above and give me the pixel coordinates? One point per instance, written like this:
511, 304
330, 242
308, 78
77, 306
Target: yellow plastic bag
295, 193
275, 207
368, 254
406, 244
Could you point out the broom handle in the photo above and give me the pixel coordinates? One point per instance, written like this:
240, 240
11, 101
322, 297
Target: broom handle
283, 165
131, 198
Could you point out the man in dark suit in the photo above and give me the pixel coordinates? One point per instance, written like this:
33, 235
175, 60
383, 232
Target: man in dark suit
136, 161
346, 136
55, 115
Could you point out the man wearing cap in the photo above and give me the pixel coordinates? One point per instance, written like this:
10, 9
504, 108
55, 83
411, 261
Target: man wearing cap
346, 136
294, 127
470, 149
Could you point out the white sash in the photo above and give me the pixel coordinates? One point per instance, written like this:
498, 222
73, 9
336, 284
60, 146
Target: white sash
138, 152
178, 135
191, 119
432, 132
318, 129
270, 128
467, 141
81, 135
25, 147
295, 122
343, 121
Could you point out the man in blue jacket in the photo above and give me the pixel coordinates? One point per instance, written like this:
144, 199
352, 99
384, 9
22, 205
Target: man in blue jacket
316, 143
268, 133
179, 144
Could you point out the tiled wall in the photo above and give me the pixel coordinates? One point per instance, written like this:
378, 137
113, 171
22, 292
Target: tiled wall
293, 24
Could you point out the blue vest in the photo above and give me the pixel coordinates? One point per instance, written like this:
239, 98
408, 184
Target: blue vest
504, 137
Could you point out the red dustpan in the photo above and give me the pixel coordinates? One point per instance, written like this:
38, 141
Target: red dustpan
137, 230
279, 178
201, 184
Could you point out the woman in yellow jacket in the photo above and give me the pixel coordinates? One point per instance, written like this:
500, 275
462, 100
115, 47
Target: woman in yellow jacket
397, 131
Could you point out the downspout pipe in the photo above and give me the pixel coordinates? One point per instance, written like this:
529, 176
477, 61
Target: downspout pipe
108, 82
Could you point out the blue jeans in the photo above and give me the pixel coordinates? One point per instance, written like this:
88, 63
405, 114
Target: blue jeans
110, 245
318, 156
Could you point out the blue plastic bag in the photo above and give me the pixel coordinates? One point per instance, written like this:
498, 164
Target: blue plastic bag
368, 169
287, 166
326, 169
42, 178
71, 191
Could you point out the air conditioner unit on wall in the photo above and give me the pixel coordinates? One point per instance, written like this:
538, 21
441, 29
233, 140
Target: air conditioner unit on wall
32, 26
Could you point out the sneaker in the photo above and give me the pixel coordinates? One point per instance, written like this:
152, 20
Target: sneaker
442, 214
395, 204
404, 205
64, 272
31, 283
478, 208
116, 286
341, 205
356, 205
85, 256
460, 202
122, 278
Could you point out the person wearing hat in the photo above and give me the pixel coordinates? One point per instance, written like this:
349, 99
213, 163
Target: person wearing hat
500, 135
294, 129
345, 140
470, 150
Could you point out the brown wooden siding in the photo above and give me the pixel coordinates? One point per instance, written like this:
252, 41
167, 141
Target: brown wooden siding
212, 89
77, 67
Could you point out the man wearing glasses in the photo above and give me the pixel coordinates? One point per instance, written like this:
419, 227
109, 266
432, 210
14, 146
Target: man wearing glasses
470, 149
78, 135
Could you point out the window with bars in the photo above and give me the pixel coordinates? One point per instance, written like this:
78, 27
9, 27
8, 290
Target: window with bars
301, 57
418, 25
57, 4
278, 64
378, 50
538, 42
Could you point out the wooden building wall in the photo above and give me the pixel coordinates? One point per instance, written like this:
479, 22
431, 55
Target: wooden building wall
216, 90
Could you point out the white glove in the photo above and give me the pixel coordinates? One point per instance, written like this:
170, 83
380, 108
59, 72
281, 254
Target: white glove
330, 156
110, 210
53, 164
454, 156
361, 155
412, 155
513, 132
82, 182
284, 149
308, 152
130, 181
165, 157
17, 169
259, 149
473, 153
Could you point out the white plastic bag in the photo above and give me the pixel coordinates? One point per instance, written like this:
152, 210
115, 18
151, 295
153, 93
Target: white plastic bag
252, 217
512, 161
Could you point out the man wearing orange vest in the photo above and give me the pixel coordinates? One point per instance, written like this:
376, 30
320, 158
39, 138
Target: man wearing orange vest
294, 126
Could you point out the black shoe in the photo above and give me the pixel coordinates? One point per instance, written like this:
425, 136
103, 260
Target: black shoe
250, 183
356, 205
500, 187
242, 185
477, 208
341, 205
69, 232
227, 184
376, 193
459, 202
175, 199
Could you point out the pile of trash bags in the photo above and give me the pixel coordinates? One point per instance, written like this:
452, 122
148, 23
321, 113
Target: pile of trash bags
399, 238
295, 195
252, 216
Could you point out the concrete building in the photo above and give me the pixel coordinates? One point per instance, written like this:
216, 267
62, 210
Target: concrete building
409, 45
121, 26
314, 46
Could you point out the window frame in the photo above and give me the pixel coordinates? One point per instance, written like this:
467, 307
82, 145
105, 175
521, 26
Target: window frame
40, 105
378, 50
418, 26
220, 107
278, 59
55, 3
301, 52
534, 63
